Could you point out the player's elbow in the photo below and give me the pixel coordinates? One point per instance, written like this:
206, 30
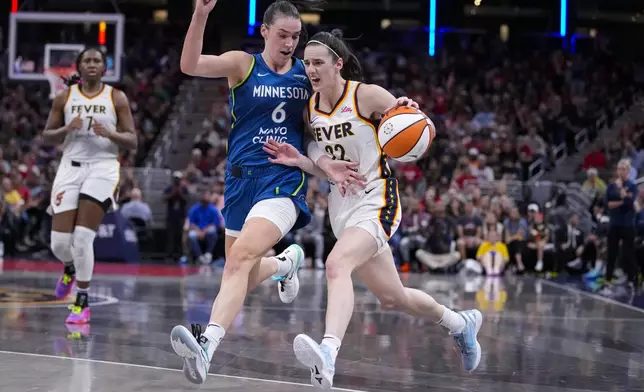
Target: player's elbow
188, 67
188, 64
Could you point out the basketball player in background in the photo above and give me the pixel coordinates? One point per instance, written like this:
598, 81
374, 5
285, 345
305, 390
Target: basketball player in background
343, 116
92, 120
264, 202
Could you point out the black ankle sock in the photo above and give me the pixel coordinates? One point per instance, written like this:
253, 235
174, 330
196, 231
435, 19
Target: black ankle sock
82, 299
69, 269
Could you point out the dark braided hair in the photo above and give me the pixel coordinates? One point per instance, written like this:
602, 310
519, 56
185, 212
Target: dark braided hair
351, 70
290, 9
76, 78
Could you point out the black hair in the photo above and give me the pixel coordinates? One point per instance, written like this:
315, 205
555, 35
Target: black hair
352, 70
290, 9
76, 78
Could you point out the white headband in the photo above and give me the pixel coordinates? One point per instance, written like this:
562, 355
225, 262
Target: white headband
323, 44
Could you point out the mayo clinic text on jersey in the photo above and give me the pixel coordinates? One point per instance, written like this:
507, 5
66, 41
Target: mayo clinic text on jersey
278, 134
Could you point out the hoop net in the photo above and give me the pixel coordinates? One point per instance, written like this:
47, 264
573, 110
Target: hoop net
55, 78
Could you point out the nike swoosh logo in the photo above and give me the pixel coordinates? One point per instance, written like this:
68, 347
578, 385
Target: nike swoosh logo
369, 191
260, 75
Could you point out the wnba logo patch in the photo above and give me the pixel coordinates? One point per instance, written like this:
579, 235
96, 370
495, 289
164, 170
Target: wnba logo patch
23, 297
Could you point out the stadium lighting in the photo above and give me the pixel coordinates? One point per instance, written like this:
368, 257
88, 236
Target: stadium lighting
563, 15
432, 27
252, 16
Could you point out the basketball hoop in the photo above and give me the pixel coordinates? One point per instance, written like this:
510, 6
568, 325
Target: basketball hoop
55, 78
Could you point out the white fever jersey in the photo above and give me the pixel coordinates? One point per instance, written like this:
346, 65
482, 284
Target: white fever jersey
83, 144
346, 135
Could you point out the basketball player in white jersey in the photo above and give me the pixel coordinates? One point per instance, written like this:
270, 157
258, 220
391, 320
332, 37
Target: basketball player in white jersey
343, 115
93, 120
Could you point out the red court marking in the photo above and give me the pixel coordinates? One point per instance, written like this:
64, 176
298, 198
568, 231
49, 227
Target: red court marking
102, 268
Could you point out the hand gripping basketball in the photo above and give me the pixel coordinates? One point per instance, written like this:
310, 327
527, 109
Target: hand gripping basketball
405, 133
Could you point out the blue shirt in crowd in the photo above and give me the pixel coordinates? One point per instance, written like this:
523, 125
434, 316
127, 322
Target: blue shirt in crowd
203, 216
624, 215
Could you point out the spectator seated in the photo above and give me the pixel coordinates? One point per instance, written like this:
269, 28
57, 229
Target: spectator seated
204, 220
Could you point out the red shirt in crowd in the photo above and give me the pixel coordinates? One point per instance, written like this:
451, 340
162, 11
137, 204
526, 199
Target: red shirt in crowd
596, 159
465, 179
411, 172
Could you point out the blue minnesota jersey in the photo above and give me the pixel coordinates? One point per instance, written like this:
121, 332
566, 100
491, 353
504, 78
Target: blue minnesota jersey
267, 105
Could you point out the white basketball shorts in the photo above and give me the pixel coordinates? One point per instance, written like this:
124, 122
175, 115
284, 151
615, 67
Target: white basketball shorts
98, 180
281, 211
375, 209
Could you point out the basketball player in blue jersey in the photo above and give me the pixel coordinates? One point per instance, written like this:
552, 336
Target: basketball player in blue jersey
263, 201
343, 116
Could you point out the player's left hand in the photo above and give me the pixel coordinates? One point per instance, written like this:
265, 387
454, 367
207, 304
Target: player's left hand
344, 174
283, 153
405, 101
100, 130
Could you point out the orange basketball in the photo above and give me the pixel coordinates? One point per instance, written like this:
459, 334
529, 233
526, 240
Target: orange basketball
405, 134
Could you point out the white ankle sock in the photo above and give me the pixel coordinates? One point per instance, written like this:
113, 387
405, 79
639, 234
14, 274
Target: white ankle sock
283, 266
452, 321
214, 333
334, 343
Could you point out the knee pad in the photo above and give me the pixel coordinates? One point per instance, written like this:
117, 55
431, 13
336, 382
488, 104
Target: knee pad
83, 253
61, 246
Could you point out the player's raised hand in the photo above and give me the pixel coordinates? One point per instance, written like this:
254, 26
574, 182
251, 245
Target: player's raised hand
100, 130
203, 7
75, 124
283, 153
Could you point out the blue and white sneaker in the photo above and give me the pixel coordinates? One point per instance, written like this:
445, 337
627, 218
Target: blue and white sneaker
289, 285
317, 358
595, 273
192, 347
469, 347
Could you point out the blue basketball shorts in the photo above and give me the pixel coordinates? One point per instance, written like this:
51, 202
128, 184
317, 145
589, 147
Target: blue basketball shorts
272, 185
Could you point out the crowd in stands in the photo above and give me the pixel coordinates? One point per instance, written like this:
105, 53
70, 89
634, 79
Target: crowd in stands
28, 166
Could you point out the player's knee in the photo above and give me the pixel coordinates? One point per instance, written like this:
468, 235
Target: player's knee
83, 243
394, 301
336, 267
240, 258
61, 245
192, 235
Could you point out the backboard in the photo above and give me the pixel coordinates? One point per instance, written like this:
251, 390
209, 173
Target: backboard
40, 41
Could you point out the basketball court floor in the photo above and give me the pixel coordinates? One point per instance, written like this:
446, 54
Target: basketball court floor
537, 336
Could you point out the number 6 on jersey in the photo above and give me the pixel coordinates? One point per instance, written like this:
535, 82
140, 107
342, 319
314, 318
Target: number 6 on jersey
279, 114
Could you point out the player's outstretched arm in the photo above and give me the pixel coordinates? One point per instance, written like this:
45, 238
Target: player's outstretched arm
374, 101
287, 155
55, 129
342, 173
232, 65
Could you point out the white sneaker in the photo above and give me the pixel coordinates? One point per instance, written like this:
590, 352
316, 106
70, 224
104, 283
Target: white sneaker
289, 285
539, 266
317, 358
192, 348
575, 264
207, 258
319, 264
